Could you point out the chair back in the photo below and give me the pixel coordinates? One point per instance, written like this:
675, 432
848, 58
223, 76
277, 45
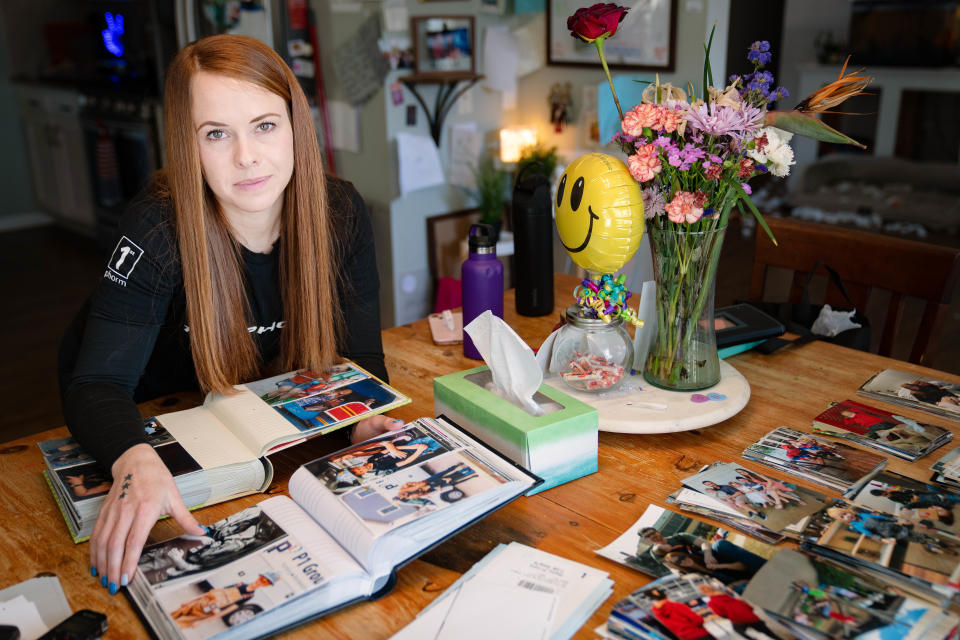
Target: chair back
865, 261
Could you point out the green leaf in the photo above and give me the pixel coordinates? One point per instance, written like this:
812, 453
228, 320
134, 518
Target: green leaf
808, 126
707, 72
753, 209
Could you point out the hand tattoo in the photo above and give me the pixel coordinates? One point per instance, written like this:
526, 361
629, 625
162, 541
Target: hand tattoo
125, 486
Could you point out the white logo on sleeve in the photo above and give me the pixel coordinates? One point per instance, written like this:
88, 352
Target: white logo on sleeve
125, 257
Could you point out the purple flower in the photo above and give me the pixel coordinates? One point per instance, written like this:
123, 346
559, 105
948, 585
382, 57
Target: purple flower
715, 158
746, 188
725, 121
759, 53
663, 142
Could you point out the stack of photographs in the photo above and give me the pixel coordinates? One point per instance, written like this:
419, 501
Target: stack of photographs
733, 493
831, 464
910, 390
912, 554
947, 469
714, 583
881, 430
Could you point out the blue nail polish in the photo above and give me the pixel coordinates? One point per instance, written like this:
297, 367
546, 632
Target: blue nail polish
124, 580
396, 421
93, 571
205, 529
103, 581
113, 588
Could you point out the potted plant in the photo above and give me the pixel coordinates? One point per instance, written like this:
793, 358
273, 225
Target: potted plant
489, 194
544, 159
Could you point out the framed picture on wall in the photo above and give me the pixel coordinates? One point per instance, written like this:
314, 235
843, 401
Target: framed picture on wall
646, 38
443, 44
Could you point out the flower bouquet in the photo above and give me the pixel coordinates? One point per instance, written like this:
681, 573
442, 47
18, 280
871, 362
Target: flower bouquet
694, 156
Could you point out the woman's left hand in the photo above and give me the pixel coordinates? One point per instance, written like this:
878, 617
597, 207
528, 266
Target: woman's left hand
372, 427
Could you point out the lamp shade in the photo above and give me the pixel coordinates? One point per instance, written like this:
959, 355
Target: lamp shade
513, 140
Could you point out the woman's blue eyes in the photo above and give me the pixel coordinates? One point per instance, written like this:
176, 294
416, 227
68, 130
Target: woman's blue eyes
220, 134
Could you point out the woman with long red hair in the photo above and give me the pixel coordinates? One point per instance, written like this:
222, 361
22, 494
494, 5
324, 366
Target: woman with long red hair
241, 259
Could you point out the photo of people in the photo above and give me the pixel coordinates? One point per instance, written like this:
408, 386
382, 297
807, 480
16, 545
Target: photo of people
380, 457
417, 490
303, 384
85, 481
64, 452
911, 500
661, 542
157, 434
447, 44
834, 601
917, 391
691, 607
225, 598
833, 463
876, 427
773, 503
336, 405
224, 542
912, 548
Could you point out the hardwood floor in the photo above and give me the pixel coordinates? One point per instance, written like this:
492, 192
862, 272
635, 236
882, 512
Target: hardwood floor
48, 272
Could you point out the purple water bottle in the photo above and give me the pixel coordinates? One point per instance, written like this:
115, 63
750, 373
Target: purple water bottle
482, 278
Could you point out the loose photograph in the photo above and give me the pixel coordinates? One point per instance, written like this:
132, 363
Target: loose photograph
662, 542
911, 548
833, 600
816, 459
773, 503
691, 607
225, 541
907, 388
877, 427
911, 501
334, 406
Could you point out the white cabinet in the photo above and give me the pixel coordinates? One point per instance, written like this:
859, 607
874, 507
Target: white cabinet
58, 160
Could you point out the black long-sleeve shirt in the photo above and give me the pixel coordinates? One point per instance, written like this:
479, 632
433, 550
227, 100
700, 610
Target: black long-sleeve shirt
130, 342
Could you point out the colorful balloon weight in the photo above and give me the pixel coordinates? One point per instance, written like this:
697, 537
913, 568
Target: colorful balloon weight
599, 213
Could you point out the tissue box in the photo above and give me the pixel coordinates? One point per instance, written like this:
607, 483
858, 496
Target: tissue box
558, 446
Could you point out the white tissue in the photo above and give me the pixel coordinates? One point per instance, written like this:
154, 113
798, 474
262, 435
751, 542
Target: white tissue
830, 323
516, 374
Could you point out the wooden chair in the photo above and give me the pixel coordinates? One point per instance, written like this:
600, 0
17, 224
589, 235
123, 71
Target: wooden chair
865, 262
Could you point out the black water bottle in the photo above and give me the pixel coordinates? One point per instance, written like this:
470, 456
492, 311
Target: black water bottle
533, 242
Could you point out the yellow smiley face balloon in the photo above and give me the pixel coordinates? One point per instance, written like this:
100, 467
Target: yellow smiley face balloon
599, 213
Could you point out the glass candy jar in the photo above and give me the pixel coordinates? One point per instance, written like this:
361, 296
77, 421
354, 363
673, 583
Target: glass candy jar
593, 355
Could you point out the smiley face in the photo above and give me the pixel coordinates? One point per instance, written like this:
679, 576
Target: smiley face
599, 213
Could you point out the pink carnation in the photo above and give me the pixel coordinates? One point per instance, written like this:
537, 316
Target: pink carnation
644, 164
686, 206
639, 117
670, 119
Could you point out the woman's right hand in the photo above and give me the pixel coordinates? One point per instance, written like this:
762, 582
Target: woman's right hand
142, 491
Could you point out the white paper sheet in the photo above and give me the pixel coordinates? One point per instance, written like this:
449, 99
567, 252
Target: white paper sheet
345, 125
486, 609
395, 16
419, 162
23, 614
500, 59
465, 143
530, 38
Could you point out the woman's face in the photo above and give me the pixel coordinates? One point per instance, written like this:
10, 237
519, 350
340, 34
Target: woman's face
245, 139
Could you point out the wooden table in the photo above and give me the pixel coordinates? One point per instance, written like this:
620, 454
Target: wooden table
573, 520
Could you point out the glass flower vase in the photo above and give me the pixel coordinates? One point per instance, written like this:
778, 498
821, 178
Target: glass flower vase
683, 354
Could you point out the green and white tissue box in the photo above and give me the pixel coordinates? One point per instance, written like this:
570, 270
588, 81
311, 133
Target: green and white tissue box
559, 446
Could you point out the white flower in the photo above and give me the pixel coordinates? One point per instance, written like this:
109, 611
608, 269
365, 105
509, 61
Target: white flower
774, 151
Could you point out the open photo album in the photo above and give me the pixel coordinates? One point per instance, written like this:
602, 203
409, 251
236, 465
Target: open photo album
352, 519
217, 451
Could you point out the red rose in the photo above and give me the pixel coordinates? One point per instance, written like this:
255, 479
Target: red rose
602, 19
